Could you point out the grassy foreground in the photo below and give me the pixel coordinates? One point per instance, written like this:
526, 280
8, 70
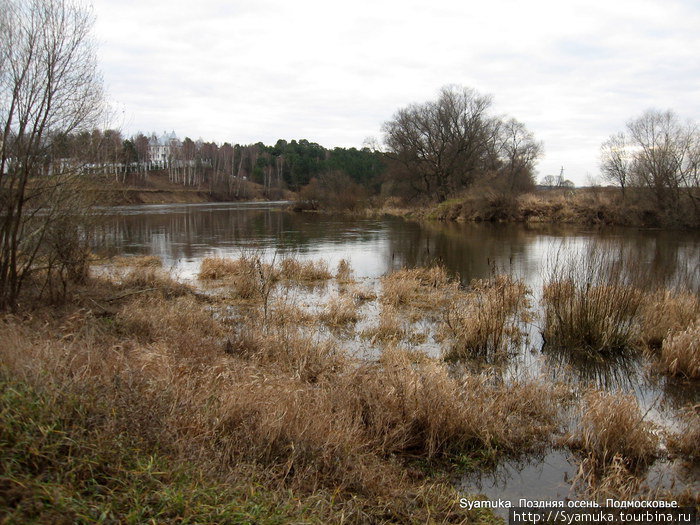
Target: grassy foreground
140, 399
135, 402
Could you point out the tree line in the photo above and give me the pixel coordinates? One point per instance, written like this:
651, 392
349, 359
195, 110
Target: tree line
285, 165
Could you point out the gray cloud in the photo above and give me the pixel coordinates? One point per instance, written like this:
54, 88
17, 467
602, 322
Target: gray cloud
247, 71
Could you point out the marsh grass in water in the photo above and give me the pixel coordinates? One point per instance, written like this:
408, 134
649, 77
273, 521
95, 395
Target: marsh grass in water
590, 304
487, 320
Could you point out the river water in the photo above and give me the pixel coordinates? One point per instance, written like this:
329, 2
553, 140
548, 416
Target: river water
182, 235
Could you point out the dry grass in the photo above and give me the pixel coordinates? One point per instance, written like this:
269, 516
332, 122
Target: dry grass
150, 278
362, 295
589, 306
215, 268
427, 288
299, 413
612, 425
416, 406
685, 442
486, 321
285, 313
140, 261
344, 272
339, 311
680, 353
248, 276
390, 327
304, 271
664, 313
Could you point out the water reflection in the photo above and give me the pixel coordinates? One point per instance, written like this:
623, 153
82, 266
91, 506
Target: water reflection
184, 234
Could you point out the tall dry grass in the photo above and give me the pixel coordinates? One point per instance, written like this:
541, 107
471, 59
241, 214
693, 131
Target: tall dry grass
427, 288
304, 271
590, 304
685, 442
339, 311
613, 426
344, 272
680, 353
487, 320
664, 313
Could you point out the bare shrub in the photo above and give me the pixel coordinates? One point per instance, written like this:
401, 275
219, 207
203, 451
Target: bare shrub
611, 425
486, 321
680, 353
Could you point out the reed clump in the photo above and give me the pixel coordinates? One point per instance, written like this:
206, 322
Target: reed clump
139, 261
426, 288
487, 320
680, 353
249, 277
685, 442
143, 279
215, 268
304, 271
664, 313
589, 306
344, 272
418, 407
612, 425
339, 311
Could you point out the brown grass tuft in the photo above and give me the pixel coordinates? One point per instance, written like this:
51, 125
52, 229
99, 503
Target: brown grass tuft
664, 313
339, 311
427, 288
685, 442
344, 272
304, 271
486, 321
214, 268
589, 305
613, 425
249, 277
680, 353
139, 261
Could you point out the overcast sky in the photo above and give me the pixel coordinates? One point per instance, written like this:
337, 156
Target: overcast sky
574, 71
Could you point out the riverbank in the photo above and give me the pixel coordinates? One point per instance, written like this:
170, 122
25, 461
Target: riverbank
583, 206
156, 188
142, 397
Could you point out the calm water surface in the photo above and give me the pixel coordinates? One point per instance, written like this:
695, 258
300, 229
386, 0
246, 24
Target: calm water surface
182, 235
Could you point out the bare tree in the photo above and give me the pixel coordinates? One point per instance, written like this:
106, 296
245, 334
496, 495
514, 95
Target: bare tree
442, 147
49, 86
657, 152
441, 144
616, 160
518, 151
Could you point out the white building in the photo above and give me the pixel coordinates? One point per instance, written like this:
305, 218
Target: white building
162, 149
